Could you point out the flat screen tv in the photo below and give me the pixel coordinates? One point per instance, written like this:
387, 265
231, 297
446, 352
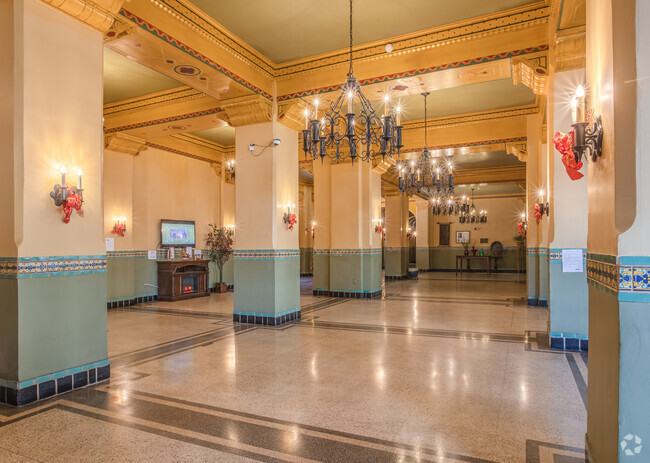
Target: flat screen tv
177, 233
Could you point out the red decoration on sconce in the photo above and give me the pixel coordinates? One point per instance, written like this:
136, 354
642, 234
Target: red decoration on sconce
72, 202
521, 227
538, 213
119, 228
289, 220
379, 229
563, 143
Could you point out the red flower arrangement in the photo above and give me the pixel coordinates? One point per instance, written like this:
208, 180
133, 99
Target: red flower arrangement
521, 229
72, 202
119, 228
290, 220
563, 143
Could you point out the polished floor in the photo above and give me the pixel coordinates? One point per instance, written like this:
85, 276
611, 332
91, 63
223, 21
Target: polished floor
441, 369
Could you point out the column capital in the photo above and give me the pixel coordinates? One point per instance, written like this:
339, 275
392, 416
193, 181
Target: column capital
124, 143
247, 110
98, 14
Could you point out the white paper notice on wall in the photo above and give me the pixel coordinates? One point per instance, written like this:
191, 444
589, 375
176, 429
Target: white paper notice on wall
572, 260
110, 244
152, 255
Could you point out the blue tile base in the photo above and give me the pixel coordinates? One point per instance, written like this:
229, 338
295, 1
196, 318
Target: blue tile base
129, 302
561, 341
267, 320
395, 277
54, 384
542, 303
533, 301
349, 294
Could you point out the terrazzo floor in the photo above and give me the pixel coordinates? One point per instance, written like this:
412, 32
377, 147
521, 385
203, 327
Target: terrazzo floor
440, 369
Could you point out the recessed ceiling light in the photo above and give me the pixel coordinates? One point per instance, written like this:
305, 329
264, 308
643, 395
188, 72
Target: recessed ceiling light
389, 47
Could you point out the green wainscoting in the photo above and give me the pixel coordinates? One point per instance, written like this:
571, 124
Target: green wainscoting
306, 261
396, 261
444, 258
272, 284
51, 323
356, 273
321, 270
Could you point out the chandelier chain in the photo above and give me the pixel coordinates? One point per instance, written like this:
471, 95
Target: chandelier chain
350, 72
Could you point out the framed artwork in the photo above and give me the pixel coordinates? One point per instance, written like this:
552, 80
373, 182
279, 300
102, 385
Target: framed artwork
462, 237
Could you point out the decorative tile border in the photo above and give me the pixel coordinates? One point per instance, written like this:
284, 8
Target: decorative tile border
634, 279
47, 266
603, 272
349, 294
267, 254
355, 252
555, 255
25, 392
267, 319
569, 341
532, 251
161, 254
396, 249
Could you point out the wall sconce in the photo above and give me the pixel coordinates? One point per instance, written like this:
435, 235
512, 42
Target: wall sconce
587, 140
230, 230
541, 208
68, 197
119, 228
289, 217
522, 226
379, 227
482, 218
230, 168
312, 228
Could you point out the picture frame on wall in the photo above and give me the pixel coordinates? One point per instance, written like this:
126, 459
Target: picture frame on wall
462, 237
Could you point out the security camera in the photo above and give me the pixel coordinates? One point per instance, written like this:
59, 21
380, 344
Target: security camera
275, 142
251, 147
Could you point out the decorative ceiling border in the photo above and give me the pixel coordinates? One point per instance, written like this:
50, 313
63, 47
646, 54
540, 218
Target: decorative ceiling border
454, 121
144, 25
164, 120
216, 33
182, 153
153, 100
505, 21
417, 72
466, 145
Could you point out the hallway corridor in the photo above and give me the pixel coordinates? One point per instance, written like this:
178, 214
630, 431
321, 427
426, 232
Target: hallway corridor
439, 369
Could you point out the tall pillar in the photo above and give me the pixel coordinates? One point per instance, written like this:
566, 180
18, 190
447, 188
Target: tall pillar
397, 250
307, 223
569, 304
52, 274
267, 258
423, 217
228, 220
542, 271
618, 250
322, 235
533, 187
354, 253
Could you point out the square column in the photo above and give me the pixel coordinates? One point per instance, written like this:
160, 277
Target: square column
53, 331
350, 251
267, 257
423, 250
397, 249
533, 187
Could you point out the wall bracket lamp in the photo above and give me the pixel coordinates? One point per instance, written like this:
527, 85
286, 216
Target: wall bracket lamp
588, 140
66, 196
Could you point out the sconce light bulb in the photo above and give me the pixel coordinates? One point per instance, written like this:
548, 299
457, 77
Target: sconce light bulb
398, 109
79, 172
541, 193
580, 91
574, 102
386, 98
523, 215
63, 170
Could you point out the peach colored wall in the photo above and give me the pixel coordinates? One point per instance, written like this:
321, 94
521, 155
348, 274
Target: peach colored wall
265, 185
157, 185
61, 125
397, 216
322, 204
7, 243
503, 216
306, 215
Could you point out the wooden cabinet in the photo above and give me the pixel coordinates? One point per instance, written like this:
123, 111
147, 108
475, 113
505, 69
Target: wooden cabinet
182, 279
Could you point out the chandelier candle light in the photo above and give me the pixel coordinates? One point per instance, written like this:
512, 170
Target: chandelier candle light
340, 127
428, 173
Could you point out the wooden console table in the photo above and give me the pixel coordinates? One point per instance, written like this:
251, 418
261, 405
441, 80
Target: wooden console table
182, 279
459, 259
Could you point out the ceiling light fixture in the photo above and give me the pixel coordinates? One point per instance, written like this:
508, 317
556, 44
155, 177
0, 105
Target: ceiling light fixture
381, 136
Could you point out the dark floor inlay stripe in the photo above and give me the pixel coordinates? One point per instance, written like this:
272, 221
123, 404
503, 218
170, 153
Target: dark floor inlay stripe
577, 376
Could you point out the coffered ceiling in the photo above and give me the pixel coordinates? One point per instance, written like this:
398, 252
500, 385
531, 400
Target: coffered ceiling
285, 30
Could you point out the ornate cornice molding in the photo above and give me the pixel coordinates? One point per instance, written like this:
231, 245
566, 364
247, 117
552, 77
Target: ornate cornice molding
473, 118
164, 120
498, 141
154, 100
98, 14
124, 143
472, 29
247, 110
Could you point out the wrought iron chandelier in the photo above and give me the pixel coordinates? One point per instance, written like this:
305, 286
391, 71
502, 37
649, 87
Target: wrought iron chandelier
339, 132
427, 173
469, 213
445, 206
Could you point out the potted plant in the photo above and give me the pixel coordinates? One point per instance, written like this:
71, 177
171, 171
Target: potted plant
219, 250
474, 250
466, 247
